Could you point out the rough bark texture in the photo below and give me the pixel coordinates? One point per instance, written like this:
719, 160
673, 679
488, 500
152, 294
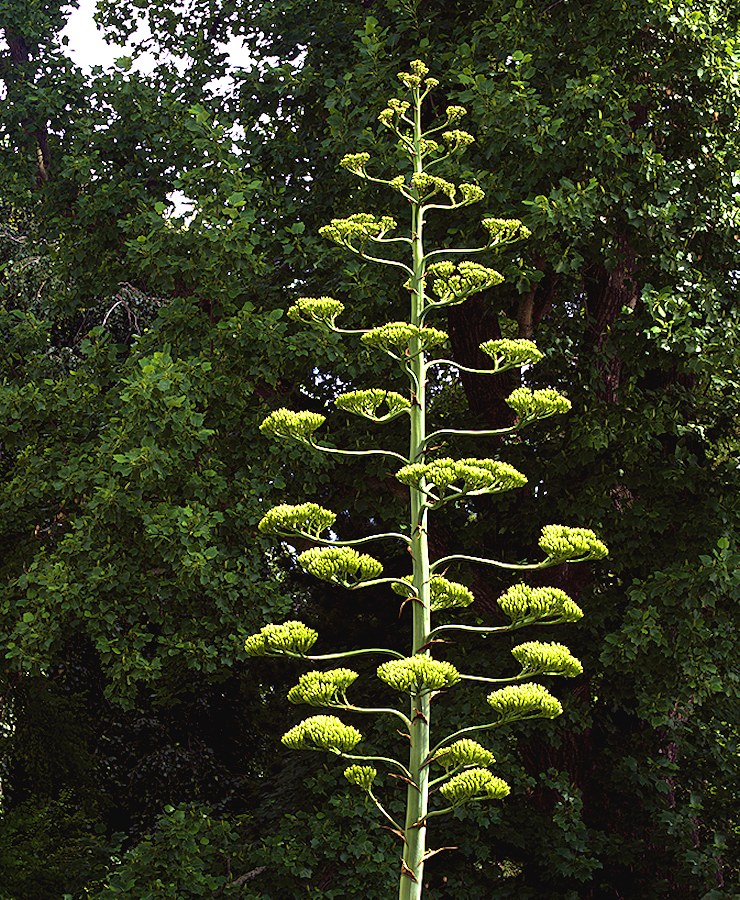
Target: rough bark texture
607, 293
34, 133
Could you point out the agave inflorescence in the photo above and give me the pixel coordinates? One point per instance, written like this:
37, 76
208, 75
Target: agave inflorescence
432, 479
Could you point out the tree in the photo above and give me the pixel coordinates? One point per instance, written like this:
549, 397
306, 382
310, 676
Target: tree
620, 134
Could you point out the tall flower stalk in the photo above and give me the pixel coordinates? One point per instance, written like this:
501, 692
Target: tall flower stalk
435, 282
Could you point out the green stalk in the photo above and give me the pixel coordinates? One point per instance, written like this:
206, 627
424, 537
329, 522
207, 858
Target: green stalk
417, 797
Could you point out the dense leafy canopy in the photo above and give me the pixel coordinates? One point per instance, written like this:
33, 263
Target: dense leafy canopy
144, 343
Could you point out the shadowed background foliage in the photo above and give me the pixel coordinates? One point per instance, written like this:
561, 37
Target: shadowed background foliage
144, 342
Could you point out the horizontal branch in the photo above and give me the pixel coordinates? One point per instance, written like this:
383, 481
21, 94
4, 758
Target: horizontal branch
385, 759
487, 432
491, 562
474, 629
389, 535
471, 728
456, 250
340, 452
521, 677
379, 240
385, 262
457, 365
376, 581
381, 709
385, 651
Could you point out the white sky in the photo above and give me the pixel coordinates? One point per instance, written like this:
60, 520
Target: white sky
86, 45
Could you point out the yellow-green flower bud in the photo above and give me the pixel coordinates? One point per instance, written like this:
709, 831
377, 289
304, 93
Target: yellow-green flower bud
441, 269
362, 776
399, 107
457, 284
427, 186
563, 544
455, 113
431, 83
316, 310
471, 193
530, 405
457, 139
464, 753
548, 605
303, 519
355, 163
510, 353
357, 229
299, 426
274, 640
462, 476
419, 68
367, 403
474, 784
417, 674
395, 338
505, 231
322, 688
537, 658
322, 733
443, 594
386, 117
524, 701
340, 565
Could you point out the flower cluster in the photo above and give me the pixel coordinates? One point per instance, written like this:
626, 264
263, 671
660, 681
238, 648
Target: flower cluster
471, 193
463, 476
474, 784
414, 78
395, 338
322, 733
362, 776
426, 186
307, 519
509, 353
530, 405
316, 310
524, 701
419, 673
322, 688
293, 638
356, 230
538, 658
455, 113
340, 565
443, 594
367, 403
505, 231
457, 139
563, 544
548, 605
286, 424
464, 753
455, 283
393, 112
355, 163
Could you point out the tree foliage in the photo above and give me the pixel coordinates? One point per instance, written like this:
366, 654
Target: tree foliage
143, 347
